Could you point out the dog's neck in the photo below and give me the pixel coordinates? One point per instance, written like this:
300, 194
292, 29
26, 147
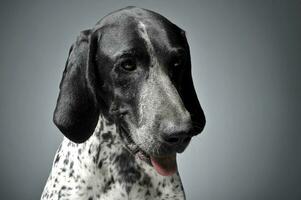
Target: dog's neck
104, 166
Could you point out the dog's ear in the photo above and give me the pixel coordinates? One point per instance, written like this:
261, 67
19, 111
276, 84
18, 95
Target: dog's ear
190, 98
77, 111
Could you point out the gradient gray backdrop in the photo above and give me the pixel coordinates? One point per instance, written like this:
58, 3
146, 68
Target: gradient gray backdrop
246, 60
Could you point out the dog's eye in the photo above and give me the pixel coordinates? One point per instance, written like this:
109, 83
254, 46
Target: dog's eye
178, 59
128, 64
177, 66
178, 62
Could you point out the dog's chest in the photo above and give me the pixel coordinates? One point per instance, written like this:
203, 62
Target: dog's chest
101, 169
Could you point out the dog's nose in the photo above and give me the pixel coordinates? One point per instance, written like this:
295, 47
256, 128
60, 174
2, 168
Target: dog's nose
177, 135
176, 131
176, 138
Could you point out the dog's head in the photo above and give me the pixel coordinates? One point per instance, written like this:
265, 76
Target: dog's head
134, 68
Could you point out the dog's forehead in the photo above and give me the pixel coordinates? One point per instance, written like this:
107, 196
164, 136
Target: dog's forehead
136, 28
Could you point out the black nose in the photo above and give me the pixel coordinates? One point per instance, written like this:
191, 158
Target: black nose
177, 138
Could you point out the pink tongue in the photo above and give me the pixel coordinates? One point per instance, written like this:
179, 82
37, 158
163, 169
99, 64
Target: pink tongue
166, 166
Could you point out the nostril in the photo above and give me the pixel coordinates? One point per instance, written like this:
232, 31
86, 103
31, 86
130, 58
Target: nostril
177, 138
172, 140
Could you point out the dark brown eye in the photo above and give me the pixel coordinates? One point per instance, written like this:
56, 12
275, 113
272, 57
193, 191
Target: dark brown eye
178, 59
128, 65
178, 62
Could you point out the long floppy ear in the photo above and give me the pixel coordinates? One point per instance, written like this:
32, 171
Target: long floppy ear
77, 111
190, 98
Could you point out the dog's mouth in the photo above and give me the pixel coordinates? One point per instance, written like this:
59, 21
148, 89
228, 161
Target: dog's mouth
164, 165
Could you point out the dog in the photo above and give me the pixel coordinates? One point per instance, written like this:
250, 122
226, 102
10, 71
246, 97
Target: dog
126, 106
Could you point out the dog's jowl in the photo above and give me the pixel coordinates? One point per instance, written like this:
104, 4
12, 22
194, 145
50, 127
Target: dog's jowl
126, 106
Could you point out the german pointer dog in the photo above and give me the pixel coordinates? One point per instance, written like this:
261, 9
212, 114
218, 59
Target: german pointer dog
127, 106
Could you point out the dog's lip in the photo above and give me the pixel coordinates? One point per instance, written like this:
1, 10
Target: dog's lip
165, 165
130, 145
143, 156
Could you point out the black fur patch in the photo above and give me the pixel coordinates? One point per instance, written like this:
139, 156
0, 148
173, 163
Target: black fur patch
127, 169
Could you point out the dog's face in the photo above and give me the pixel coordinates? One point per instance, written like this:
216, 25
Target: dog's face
138, 74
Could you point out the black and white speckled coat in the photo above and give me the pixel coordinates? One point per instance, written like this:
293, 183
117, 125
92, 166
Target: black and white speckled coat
101, 168
126, 106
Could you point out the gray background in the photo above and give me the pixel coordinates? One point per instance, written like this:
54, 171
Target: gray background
246, 60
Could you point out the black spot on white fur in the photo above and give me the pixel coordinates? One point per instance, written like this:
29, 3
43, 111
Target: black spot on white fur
96, 169
98, 166
127, 168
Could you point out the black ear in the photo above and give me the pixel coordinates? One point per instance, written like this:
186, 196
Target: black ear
190, 98
77, 111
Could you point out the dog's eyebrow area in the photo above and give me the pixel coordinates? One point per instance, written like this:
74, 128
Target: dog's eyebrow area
127, 53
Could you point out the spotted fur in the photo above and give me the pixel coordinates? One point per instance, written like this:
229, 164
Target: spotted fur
101, 168
126, 98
